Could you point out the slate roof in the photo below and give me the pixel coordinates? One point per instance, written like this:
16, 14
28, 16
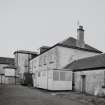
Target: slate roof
71, 42
94, 62
6, 60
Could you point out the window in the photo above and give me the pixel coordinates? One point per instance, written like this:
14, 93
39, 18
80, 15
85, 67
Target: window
62, 76
65, 76
68, 76
56, 75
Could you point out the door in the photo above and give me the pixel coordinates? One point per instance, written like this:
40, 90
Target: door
83, 83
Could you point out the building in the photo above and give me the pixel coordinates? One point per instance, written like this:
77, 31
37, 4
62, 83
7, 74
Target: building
22, 63
9, 73
4, 61
48, 67
89, 74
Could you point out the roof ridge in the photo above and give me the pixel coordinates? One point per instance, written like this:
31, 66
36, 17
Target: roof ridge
66, 39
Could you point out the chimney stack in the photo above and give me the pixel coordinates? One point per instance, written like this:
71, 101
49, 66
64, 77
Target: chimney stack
80, 37
43, 49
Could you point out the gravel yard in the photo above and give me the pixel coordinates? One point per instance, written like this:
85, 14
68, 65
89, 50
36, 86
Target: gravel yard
21, 95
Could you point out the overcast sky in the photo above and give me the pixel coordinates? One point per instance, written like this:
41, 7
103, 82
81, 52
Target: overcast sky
29, 24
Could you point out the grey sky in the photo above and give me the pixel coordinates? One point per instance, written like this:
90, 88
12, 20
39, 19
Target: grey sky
29, 24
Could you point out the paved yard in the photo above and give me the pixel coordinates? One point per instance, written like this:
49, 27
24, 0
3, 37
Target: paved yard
20, 95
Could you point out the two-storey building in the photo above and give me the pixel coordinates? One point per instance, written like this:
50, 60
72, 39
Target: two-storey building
48, 67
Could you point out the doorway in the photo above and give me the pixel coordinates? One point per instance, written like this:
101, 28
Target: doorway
83, 83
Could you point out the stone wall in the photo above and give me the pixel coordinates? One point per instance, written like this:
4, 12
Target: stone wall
93, 80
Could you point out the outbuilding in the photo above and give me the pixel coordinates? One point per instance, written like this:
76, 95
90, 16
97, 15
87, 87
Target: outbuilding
10, 76
89, 74
4, 61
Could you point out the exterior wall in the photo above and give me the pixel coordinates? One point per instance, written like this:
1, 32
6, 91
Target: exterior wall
45, 80
58, 57
42, 79
94, 80
1, 68
55, 58
9, 72
59, 84
9, 80
68, 55
45, 61
22, 63
2, 77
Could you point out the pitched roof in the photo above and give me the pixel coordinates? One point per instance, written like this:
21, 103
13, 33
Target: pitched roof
26, 52
6, 60
97, 61
71, 42
10, 67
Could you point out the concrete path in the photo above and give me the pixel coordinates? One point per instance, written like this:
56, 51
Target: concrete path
20, 95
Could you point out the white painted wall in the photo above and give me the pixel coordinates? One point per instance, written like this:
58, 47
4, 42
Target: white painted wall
2, 69
46, 81
45, 61
68, 55
42, 80
21, 63
9, 72
58, 84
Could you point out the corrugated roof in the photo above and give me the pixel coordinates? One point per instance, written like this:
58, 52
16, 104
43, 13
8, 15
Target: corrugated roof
97, 61
6, 60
